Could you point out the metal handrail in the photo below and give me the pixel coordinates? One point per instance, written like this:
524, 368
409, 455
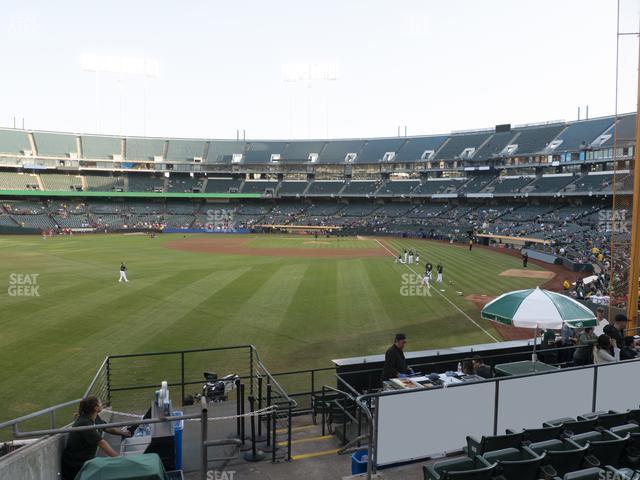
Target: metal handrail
101, 426
96, 376
273, 381
39, 413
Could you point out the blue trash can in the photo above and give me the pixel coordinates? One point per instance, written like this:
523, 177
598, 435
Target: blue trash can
359, 461
178, 427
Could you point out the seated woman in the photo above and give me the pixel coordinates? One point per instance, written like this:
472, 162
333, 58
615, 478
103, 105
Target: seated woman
605, 350
81, 446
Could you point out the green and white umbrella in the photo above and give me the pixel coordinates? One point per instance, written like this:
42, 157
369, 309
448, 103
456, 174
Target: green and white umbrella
538, 309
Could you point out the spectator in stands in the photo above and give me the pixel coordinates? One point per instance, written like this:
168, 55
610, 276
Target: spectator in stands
616, 331
602, 321
480, 368
394, 362
81, 446
629, 350
566, 285
467, 367
605, 350
583, 355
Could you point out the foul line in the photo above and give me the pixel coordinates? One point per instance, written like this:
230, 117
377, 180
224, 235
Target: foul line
440, 293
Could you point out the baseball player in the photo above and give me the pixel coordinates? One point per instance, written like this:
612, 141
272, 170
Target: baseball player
429, 270
417, 258
123, 273
425, 280
406, 255
410, 257
439, 269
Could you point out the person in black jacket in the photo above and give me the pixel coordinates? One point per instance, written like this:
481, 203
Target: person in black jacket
629, 350
480, 368
394, 361
616, 331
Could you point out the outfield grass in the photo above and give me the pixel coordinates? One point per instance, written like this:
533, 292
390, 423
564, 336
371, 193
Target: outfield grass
298, 311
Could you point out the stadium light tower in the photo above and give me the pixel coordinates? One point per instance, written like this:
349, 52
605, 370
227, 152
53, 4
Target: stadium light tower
122, 65
309, 74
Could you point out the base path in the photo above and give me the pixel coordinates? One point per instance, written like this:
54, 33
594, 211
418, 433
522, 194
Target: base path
238, 246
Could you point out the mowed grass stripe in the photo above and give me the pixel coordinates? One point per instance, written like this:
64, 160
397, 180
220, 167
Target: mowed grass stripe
194, 326
51, 314
258, 318
81, 355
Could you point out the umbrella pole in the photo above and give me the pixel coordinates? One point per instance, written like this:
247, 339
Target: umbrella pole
535, 339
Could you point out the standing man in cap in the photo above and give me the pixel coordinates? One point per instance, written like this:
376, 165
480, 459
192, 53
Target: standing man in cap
394, 361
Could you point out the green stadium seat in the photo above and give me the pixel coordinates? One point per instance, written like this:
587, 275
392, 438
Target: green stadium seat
606, 446
561, 455
593, 473
572, 426
516, 464
533, 435
494, 442
476, 468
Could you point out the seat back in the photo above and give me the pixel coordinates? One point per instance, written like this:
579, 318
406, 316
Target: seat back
524, 469
506, 454
564, 461
634, 415
534, 435
622, 430
608, 452
612, 419
588, 437
541, 447
499, 442
580, 426
483, 473
586, 474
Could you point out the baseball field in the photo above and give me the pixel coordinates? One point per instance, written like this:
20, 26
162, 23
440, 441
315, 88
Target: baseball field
301, 301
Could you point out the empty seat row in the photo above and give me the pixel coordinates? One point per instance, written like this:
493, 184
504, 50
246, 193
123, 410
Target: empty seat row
585, 447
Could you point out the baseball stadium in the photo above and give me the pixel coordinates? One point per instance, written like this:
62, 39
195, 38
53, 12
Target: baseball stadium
449, 305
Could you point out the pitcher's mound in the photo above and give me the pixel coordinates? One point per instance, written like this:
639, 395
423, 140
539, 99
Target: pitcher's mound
479, 300
524, 273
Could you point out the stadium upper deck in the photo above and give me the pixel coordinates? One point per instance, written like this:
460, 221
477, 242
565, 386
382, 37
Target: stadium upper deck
500, 146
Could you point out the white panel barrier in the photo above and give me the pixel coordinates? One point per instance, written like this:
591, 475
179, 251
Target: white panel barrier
618, 386
420, 423
526, 402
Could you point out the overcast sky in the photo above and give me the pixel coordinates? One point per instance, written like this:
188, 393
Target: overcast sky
434, 66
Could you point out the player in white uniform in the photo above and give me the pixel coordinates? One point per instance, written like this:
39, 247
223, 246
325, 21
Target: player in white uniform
406, 254
410, 257
425, 280
429, 270
123, 273
439, 270
417, 258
